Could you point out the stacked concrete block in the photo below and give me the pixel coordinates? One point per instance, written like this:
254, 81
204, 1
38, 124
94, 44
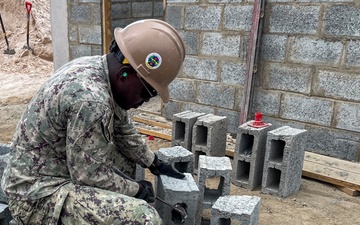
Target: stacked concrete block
284, 158
139, 172
249, 155
228, 209
211, 168
174, 191
182, 129
179, 157
209, 136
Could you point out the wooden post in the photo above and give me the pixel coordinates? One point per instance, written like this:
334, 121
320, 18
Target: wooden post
106, 25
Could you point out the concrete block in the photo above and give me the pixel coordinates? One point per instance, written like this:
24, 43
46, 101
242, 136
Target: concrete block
284, 158
209, 136
218, 44
215, 94
142, 9
337, 85
238, 17
273, 47
215, 169
139, 172
207, 17
183, 90
243, 209
338, 19
353, 53
316, 51
121, 10
288, 78
203, 69
179, 157
90, 34
191, 41
177, 191
80, 13
233, 118
174, 15
182, 129
294, 19
305, 109
249, 155
267, 102
348, 116
233, 73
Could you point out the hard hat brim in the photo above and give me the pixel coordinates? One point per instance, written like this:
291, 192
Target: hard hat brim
163, 92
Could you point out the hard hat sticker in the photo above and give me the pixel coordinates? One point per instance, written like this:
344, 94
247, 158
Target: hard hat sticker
153, 60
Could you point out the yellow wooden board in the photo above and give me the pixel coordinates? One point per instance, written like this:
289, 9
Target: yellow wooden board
331, 170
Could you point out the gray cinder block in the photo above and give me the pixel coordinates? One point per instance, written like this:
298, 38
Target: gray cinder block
209, 136
179, 157
249, 155
217, 169
244, 209
177, 191
139, 172
284, 158
182, 129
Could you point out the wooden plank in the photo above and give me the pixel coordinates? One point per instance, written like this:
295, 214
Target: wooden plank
344, 165
151, 122
348, 191
106, 25
154, 134
331, 175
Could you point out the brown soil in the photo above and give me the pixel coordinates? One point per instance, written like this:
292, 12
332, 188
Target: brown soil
22, 74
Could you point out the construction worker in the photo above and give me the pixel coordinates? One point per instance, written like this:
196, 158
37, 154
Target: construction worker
75, 135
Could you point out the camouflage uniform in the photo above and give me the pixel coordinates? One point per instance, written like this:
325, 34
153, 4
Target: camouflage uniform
70, 136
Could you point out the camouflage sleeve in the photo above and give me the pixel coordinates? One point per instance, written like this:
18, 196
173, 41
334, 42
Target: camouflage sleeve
129, 142
88, 148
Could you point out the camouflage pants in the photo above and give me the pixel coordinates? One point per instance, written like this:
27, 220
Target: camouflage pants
85, 205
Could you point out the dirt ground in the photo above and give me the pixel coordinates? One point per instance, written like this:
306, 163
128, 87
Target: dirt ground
22, 74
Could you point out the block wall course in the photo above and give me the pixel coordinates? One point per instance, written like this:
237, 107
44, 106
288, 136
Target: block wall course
203, 17
309, 50
80, 13
238, 17
305, 109
288, 78
216, 94
232, 73
175, 16
142, 9
348, 116
342, 20
198, 68
191, 40
267, 102
220, 44
353, 53
183, 90
90, 34
294, 19
338, 85
121, 10
273, 47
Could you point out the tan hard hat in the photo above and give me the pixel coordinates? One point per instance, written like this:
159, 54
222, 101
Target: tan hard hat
155, 50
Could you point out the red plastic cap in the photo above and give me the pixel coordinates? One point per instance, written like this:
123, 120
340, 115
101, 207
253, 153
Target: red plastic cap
258, 123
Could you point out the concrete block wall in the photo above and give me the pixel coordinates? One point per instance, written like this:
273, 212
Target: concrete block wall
308, 76
284, 158
249, 155
77, 24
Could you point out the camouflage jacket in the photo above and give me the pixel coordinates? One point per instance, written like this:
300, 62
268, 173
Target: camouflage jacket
67, 132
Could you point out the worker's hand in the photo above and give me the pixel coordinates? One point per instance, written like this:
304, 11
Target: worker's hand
146, 191
161, 168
